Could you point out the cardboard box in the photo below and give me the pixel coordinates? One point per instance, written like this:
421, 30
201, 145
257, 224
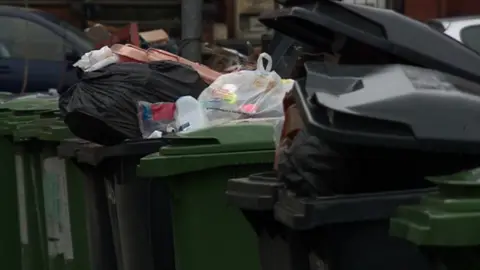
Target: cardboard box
155, 36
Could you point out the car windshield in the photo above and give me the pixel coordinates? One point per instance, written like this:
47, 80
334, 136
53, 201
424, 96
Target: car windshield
77, 34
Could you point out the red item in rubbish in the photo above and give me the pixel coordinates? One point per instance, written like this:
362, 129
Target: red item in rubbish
130, 53
163, 111
128, 34
249, 108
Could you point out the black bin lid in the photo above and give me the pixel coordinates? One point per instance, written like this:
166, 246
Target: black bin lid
395, 106
383, 29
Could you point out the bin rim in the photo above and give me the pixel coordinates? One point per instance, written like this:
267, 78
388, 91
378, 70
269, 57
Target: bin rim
300, 213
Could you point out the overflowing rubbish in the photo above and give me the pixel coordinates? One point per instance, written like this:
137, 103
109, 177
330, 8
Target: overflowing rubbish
106, 100
130, 53
246, 94
127, 92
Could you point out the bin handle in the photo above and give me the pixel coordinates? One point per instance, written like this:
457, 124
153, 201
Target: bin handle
146, 147
177, 140
137, 148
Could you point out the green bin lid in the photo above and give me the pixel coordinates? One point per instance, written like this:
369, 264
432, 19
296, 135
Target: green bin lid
9, 125
239, 142
230, 137
56, 133
29, 104
50, 129
447, 218
19, 111
467, 178
5, 96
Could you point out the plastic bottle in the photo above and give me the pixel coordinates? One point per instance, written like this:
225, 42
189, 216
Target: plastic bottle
189, 115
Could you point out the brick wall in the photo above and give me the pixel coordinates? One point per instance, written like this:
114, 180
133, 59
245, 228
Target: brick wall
429, 9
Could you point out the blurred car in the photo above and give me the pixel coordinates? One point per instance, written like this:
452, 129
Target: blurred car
37, 51
464, 29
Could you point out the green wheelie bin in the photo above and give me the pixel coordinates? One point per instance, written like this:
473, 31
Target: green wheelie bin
48, 229
13, 232
66, 219
445, 224
169, 209
54, 194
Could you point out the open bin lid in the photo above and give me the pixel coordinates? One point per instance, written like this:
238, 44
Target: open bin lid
391, 106
397, 35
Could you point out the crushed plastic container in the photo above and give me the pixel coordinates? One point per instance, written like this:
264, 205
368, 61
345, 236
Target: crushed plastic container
171, 211
189, 115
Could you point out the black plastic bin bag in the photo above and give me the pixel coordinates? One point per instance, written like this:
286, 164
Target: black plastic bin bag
105, 101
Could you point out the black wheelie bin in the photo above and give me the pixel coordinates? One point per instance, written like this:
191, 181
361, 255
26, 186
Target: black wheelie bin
398, 121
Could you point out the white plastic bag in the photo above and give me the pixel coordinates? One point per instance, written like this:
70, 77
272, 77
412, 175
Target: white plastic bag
246, 94
96, 59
